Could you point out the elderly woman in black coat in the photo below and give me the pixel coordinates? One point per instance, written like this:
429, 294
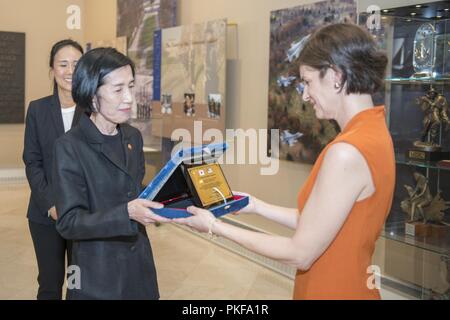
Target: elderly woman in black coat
99, 166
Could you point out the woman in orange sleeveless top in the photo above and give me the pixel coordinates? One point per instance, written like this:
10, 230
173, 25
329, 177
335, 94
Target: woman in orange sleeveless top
347, 197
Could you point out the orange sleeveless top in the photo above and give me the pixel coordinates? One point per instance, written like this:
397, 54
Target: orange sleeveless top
341, 272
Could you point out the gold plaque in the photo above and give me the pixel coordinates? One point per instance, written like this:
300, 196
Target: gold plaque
210, 184
417, 155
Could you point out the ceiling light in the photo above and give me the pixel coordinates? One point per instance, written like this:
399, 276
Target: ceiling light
413, 14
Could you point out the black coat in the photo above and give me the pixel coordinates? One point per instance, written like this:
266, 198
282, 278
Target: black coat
44, 124
112, 251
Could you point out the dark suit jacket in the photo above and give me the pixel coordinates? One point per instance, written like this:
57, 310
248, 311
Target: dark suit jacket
44, 124
113, 252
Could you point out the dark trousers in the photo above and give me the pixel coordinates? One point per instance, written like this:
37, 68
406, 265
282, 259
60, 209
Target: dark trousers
50, 249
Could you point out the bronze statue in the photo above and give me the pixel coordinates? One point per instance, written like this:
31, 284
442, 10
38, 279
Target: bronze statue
419, 197
421, 205
435, 107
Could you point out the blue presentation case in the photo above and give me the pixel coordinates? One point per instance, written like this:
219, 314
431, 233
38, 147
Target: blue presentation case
169, 184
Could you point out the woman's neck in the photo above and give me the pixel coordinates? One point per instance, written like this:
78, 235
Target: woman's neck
65, 98
351, 106
106, 127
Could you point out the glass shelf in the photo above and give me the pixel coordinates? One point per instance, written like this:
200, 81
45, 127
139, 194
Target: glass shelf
396, 232
401, 159
419, 262
426, 80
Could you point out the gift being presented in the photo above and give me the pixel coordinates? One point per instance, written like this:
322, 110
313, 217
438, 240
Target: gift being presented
192, 177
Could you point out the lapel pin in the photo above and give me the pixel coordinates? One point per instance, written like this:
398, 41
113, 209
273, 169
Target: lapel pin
130, 147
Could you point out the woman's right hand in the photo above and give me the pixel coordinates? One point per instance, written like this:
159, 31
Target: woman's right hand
139, 210
251, 207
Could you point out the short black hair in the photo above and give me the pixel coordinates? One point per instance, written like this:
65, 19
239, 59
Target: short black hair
352, 51
61, 44
91, 71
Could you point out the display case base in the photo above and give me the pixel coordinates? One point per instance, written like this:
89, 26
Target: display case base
423, 155
417, 229
439, 231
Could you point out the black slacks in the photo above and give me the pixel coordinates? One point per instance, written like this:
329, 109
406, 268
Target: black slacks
50, 249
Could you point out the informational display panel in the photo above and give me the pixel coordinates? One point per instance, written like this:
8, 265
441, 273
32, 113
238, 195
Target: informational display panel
193, 77
12, 77
137, 20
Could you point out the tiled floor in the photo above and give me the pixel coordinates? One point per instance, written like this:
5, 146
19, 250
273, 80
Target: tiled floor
188, 266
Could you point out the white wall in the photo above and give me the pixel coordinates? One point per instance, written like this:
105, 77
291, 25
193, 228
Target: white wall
44, 23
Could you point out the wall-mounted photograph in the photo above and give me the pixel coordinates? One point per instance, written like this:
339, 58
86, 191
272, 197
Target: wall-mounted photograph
166, 104
189, 104
214, 105
302, 136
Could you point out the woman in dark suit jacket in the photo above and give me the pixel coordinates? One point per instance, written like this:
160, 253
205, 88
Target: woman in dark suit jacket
98, 172
47, 119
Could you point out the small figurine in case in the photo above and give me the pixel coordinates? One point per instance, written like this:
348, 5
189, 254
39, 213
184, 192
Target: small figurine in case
193, 177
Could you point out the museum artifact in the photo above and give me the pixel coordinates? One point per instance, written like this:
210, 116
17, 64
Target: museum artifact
435, 108
423, 59
423, 208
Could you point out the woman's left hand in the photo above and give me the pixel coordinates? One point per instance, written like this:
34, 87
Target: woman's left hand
53, 213
201, 219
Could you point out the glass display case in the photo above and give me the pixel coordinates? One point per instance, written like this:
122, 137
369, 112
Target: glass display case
417, 231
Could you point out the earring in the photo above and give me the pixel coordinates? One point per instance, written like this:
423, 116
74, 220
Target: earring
337, 86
